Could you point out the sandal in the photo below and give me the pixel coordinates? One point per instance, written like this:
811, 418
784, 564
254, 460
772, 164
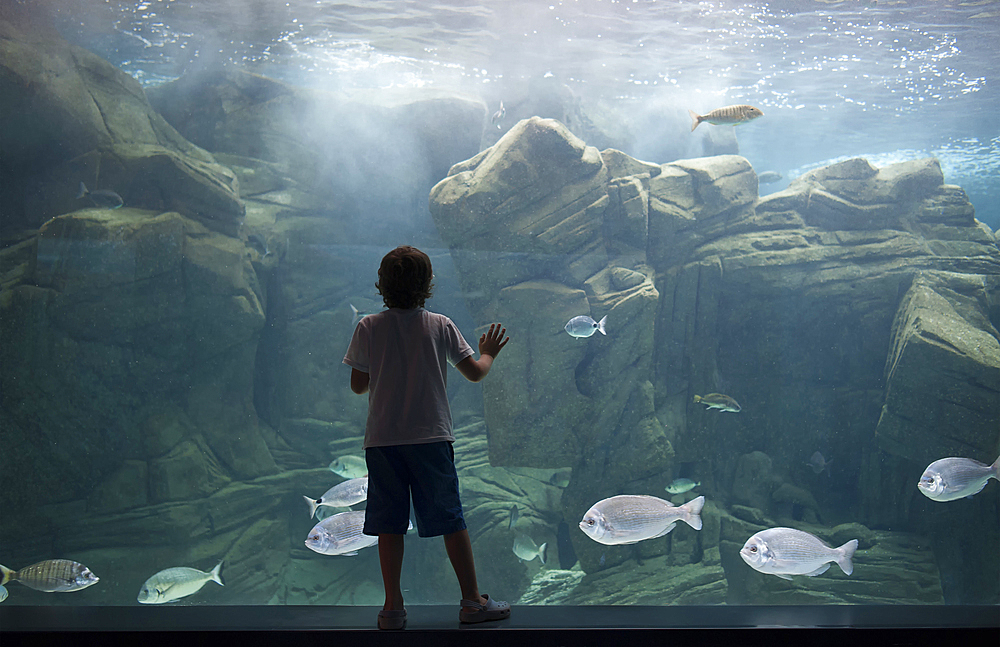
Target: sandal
475, 612
391, 619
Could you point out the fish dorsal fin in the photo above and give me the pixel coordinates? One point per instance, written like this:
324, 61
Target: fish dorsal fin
819, 571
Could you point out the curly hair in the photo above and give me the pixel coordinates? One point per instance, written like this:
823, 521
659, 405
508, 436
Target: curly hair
404, 278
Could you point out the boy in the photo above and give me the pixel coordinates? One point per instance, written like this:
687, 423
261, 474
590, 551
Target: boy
398, 356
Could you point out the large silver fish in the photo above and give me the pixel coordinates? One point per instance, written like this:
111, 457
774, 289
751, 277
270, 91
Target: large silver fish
785, 552
341, 534
730, 115
341, 495
526, 548
175, 583
51, 576
948, 479
630, 518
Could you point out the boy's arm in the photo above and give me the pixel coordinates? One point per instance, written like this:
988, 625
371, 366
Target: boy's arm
359, 381
489, 347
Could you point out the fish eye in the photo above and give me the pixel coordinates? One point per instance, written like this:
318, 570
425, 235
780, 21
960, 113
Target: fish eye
753, 549
590, 522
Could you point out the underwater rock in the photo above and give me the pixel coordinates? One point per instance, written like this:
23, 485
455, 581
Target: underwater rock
943, 373
552, 587
754, 481
124, 489
847, 531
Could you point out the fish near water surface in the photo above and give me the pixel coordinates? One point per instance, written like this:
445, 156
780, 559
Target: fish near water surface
341, 495
498, 116
631, 518
718, 401
350, 467
585, 326
769, 177
175, 583
785, 552
953, 478
51, 576
728, 116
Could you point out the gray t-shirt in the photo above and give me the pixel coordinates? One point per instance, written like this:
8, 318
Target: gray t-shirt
405, 353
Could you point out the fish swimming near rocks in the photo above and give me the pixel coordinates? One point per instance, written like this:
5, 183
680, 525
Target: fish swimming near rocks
103, 198
680, 486
512, 519
785, 552
51, 576
728, 116
953, 478
175, 583
770, 177
526, 548
718, 401
585, 326
818, 464
341, 495
341, 534
350, 467
498, 115
631, 518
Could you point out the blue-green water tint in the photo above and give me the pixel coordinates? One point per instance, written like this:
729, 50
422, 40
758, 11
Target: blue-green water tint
173, 386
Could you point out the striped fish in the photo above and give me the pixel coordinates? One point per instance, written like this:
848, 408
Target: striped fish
627, 519
52, 575
730, 115
785, 552
340, 534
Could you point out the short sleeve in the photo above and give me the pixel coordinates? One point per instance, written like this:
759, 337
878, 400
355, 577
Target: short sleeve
357, 353
456, 347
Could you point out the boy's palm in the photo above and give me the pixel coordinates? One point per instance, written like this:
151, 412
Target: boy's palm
490, 342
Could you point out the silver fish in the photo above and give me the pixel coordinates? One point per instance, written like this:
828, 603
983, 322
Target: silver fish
584, 326
357, 315
785, 552
718, 401
3, 592
627, 519
101, 198
341, 534
175, 583
341, 495
817, 463
512, 520
770, 177
948, 479
680, 486
350, 467
729, 116
51, 576
498, 115
526, 548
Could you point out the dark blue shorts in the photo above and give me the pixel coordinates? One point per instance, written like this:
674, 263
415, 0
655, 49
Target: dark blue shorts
425, 471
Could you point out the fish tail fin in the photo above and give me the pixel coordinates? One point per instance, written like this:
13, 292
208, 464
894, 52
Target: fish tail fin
693, 509
600, 324
7, 575
83, 191
996, 468
697, 399
543, 551
846, 553
216, 574
695, 119
313, 504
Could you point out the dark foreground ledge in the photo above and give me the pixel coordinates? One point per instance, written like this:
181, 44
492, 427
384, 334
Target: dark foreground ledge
844, 626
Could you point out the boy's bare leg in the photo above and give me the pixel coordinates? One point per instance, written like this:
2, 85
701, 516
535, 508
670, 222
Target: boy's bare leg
390, 559
459, 548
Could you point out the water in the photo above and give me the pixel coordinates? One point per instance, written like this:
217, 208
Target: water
172, 387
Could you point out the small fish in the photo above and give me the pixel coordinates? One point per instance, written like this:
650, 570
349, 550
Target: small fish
718, 401
584, 326
601, 560
357, 316
341, 534
785, 552
526, 549
770, 177
948, 479
559, 479
680, 486
730, 116
817, 463
341, 495
51, 576
627, 519
350, 467
101, 198
175, 583
514, 514
498, 115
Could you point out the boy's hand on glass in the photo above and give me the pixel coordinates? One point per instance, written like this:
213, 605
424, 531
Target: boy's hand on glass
490, 342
